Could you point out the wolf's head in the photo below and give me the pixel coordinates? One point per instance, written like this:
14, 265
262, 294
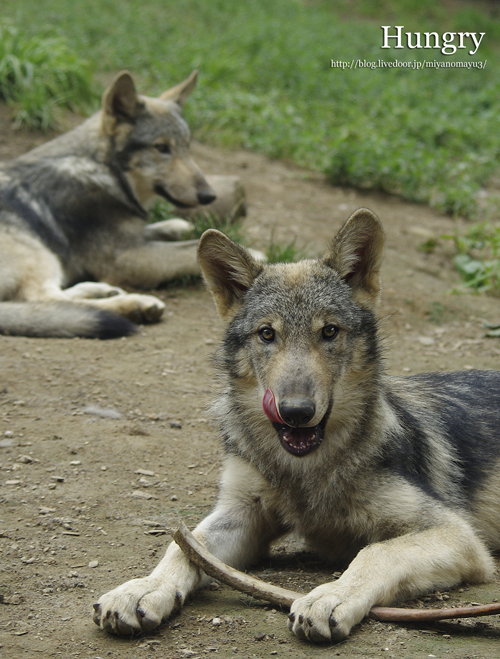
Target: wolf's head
147, 142
301, 337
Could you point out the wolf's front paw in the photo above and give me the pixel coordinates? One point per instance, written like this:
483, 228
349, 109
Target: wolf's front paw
142, 308
325, 615
136, 606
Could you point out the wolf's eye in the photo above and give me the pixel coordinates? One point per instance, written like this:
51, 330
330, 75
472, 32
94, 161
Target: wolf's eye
267, 334
162, 148
329, 332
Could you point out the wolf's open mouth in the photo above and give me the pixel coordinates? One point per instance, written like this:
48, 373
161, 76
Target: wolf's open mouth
299, 441
159, 189
296, 440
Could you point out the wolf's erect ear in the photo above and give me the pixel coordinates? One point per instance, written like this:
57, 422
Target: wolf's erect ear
179, 94
119, 102
356, 254
228, 269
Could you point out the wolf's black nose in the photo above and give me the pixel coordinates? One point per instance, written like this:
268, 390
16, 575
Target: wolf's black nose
206, 197
297, 411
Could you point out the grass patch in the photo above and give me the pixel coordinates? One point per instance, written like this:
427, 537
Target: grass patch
478, 257
283, 252
266, 84
39, 75
275, 252
162, 210
430, 135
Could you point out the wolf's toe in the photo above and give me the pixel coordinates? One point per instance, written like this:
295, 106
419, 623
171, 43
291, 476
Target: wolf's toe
96, 615
113, 622
147, 621
123, 627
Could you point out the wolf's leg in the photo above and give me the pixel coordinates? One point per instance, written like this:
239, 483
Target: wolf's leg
174, 229
92, 290
389, 571
136, 307
240, 527
151, 264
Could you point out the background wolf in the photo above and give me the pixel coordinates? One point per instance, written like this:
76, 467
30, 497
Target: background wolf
398, 477
75, 209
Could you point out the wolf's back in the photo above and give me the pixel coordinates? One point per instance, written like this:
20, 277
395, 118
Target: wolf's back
61, 320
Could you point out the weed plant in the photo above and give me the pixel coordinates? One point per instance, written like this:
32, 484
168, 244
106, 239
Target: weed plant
38, 75
478, 257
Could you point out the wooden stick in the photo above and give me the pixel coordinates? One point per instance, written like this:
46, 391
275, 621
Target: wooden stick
215, 568
259, 589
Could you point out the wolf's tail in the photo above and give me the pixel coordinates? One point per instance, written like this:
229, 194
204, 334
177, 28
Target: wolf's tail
62, 320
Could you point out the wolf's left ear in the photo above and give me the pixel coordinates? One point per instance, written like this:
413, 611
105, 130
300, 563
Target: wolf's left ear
180, 93
119, 102
356, 254
228, 269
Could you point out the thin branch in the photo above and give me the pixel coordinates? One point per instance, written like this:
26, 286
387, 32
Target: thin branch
259, 589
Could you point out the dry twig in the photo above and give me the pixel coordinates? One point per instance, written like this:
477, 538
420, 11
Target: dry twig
259, 589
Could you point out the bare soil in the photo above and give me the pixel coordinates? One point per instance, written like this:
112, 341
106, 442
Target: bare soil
105, 445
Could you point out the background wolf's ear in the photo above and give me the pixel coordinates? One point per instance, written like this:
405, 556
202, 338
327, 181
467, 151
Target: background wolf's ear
119, 102
180, 93
356, 254
228, 269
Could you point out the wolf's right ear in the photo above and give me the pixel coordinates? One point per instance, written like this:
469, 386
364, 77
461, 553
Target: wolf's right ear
180, 93
356, 254
228, 269
119, 102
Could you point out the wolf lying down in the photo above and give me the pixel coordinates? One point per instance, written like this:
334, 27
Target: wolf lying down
74, 209
398, 476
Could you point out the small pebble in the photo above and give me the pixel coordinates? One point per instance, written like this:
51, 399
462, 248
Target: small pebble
104, 413
25, 459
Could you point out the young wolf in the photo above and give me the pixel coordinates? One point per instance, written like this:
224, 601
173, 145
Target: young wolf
399, 476
75, 209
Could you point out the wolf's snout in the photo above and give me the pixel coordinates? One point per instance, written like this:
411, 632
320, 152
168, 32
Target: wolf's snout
206, 197
297, 411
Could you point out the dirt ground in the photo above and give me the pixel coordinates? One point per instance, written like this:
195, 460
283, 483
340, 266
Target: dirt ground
104, 445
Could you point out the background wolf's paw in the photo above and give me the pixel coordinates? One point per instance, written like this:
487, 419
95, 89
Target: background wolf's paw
137, 606
174, 229
141, 308
323, 615
92, 290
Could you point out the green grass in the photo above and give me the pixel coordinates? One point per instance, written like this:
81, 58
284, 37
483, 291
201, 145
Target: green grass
283, 252
478, 257
266, 84
38, 75
275, 252
162, 210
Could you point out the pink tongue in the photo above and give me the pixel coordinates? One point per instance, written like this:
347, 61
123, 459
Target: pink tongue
269, 405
